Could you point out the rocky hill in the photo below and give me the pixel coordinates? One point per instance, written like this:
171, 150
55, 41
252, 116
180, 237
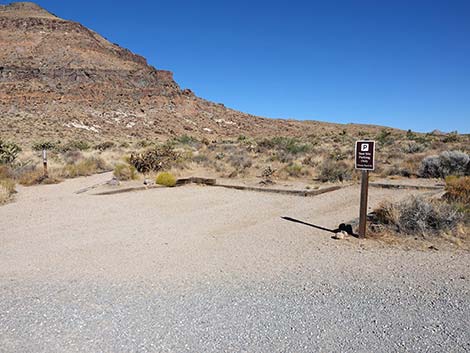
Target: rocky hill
61, 80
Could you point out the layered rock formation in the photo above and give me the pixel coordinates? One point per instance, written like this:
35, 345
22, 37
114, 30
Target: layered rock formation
59, 79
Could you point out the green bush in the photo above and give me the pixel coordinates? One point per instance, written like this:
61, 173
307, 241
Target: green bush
294, 170
45, 145
185, 140
76, 145
166, 179
384, 137
286, 144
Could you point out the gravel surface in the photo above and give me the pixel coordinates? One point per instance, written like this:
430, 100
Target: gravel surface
198, 269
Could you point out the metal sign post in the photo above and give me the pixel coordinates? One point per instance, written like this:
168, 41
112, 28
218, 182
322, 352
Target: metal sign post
44, 161
364, 161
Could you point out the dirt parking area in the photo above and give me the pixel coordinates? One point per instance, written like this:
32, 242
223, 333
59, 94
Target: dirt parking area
208, 269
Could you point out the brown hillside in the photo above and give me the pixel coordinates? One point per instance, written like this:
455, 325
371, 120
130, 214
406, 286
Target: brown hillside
61, 80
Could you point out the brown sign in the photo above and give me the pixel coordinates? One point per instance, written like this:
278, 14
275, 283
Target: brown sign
365, 154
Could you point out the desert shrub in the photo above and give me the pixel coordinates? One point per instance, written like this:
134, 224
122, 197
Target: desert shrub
384, 137
418, 216
8, 152
166, 179
45, 145
240, 161
430, 167
104, 146
410, 135
186, 140
413, 147
294, 170
76, 145
308, 160
200, 158
286, 144
447, 163
397, 169
144, 144
454, 163
154, 159
332, 171
338, 155
72, 157
452, 136
125, 172
458, 190
282, 156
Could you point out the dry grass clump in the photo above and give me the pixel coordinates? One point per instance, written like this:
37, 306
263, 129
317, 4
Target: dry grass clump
7, 188
295, 170
166, 179
458, 190
240, 161
417, 216
85, 167
31, 177
125, 172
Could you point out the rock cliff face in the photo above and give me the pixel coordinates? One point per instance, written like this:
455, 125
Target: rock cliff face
60, 80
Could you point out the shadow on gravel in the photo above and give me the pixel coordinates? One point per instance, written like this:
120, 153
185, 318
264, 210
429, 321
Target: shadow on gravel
341, 228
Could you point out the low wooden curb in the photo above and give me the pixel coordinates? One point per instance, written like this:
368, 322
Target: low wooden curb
406, 186
282, 191
213, 182
196, 180
136, 188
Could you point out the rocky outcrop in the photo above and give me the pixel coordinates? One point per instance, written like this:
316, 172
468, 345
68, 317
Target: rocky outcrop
61, 80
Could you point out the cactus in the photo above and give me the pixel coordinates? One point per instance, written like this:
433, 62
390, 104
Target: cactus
8, 152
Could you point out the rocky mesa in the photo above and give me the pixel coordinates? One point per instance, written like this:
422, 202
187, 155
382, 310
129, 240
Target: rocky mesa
61, 80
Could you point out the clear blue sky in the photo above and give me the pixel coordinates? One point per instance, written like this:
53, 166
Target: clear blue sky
398, 63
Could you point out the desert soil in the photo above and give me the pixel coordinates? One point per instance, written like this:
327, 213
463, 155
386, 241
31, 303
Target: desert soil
203, 269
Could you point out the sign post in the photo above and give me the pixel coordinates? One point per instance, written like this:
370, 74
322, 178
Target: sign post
44, 161
364, 161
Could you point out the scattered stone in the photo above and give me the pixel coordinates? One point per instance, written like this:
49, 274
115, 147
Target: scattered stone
340, 235
113, 182
148, 182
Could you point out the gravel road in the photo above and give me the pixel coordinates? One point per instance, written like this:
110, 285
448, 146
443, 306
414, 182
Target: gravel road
200, 269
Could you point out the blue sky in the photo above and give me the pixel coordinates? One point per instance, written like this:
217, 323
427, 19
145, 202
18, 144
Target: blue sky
398, 63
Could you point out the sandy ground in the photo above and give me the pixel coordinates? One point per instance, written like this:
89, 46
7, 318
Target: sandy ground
202, 269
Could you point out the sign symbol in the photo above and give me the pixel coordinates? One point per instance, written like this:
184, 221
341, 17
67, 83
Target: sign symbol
364, 147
